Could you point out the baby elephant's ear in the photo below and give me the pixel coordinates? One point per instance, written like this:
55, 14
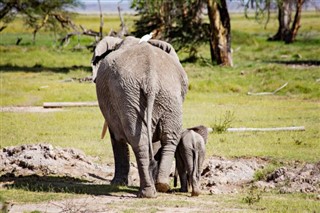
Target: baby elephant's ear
165, 47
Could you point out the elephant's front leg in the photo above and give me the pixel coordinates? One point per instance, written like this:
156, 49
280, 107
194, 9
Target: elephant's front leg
121, 159
147, 188
168, 150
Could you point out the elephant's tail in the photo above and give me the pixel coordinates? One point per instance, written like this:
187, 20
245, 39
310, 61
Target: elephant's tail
153, 165
150, 102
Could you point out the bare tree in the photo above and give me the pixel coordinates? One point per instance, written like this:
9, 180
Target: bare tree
288, 25
101, 21
291, 35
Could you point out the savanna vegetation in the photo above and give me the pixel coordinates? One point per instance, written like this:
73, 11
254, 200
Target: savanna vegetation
45, 72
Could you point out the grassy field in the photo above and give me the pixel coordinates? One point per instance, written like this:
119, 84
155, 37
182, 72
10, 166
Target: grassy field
33, 74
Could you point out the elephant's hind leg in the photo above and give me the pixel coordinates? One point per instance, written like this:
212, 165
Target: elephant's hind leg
180, 166
168, 150
195, 175
121, 158
141, 152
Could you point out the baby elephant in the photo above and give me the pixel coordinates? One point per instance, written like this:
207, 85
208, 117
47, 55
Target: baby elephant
189, 156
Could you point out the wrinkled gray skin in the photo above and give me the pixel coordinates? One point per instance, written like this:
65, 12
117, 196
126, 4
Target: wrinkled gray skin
140, 90
190, 155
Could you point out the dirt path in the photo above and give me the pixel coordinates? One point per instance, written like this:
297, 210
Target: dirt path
83, 204
34, 109
42, 166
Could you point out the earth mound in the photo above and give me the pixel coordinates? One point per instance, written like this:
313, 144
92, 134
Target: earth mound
220, 175
304, 178
45, 160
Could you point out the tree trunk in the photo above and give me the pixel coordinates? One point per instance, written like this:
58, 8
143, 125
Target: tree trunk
284, 19
34, 34
38, 27
124, 30
101, 21
285, 32
220, 41
296, 23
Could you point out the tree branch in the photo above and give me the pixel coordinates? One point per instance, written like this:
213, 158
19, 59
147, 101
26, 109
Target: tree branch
245, 129
269, 93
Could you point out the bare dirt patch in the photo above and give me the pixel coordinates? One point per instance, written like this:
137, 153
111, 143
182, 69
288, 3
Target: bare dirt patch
44, 160
223, 176
298, 177
47, 168
33, 109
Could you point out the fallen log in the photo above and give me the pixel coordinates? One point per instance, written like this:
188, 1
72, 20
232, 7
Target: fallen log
268, 93
69, 104
245, 129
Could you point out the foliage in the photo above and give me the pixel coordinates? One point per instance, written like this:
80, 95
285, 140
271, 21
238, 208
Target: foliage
254, 196
178, 22
224, 123
261, 174
38, 14
288, 25
261, 9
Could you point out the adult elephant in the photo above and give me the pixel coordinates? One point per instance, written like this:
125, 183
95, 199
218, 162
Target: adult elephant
140, 90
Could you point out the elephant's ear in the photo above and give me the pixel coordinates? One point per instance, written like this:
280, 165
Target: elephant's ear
104, 47
165, 47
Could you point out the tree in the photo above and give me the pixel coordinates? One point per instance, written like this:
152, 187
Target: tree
38, 14
288, 27
180, 22
220, 40
286, 32
7, 13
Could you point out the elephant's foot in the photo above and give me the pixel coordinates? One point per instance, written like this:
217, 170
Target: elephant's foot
162, 187
120, 181
195, 193
184, 189
147, 192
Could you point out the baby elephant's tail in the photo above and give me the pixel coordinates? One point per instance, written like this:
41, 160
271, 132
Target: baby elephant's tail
195, 166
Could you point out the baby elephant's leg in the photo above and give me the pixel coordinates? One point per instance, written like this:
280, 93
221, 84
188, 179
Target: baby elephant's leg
195, 177
182, 173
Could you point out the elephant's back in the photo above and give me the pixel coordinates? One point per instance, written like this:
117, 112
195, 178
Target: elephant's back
191, 140
144, 62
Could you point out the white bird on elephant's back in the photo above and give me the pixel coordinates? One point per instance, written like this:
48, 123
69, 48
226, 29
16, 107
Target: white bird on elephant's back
146, 38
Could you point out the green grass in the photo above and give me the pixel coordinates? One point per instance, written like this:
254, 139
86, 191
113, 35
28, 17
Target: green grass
31, 75
27, 196
271, 202
77, 128
255, 111
81, 127
34, 88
